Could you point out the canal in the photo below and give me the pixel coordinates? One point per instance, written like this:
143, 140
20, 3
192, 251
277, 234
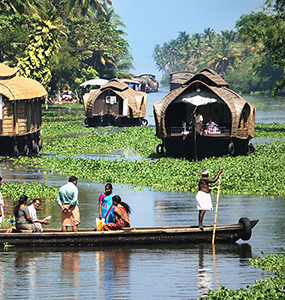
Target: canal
154, 272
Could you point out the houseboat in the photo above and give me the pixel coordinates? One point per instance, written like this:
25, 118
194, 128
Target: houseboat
182, 119
20, 113
115, 103
177, 79
148, 83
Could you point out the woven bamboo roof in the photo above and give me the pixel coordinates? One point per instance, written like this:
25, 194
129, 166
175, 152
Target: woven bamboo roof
233, 100
180, 77
209, 76
6, 72
19, 88
123, 91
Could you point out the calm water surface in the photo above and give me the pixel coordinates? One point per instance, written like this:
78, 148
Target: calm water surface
160, 272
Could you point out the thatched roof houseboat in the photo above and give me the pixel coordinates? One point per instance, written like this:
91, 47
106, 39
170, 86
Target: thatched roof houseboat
20, 113
177, 79
182, 115
115, 103
148, 83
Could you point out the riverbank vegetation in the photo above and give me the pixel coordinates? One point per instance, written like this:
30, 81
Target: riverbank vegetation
251, 59
63, 43
71, 148
269, 288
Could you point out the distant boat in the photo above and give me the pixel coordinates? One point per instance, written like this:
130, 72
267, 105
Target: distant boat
177, 79
148, 83
181, 118
115, 103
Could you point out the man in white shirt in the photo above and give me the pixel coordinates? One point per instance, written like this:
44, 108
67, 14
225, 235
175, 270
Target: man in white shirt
2, 217
33, 213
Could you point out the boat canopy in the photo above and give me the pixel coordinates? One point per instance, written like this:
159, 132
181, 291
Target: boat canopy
97, 81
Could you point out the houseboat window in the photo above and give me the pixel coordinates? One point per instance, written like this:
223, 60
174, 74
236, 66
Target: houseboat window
111, 100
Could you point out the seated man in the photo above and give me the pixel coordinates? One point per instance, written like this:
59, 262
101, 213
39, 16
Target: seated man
33, 213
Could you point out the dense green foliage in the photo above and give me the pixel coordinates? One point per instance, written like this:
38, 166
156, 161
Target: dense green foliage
55, 42
14, 190
224, 53
270, 288
267, 28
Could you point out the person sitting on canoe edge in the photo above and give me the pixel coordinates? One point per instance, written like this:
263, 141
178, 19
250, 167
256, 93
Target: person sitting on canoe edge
23, 218
33, 213
203, 197
106, 207
121, 212
67, 199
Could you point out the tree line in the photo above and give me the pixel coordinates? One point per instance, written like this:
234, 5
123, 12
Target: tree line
62, 43
250, 58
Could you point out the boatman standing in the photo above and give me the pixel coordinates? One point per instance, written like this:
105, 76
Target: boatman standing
67, 199
203, 197
2, 217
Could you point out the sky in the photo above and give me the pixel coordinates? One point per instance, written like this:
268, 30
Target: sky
155, 22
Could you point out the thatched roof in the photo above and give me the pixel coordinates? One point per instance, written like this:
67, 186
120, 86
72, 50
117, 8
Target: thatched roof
180, 77
123, 91
210, 77
18, 88
234, 102
6, 72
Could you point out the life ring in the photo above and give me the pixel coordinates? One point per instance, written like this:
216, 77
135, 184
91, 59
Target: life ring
160, 149
16, 151
26, 150
246, 231
144, 122
231, 148
40, 143
35, 147
247, 150
251, 148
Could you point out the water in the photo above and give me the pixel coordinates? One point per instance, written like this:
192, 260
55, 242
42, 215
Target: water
154, 272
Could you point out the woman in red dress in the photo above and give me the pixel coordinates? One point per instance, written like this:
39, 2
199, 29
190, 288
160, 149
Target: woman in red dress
121, 212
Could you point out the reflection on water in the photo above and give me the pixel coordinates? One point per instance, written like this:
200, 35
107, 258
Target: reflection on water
154, 272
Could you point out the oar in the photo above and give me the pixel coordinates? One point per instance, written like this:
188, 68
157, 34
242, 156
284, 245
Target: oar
216, 213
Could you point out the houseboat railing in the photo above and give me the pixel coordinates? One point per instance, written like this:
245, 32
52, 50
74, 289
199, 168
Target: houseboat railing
224, 130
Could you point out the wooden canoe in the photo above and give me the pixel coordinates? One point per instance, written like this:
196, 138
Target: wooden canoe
131, 236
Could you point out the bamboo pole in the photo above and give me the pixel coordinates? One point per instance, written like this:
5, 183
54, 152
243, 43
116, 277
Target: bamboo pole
216, 212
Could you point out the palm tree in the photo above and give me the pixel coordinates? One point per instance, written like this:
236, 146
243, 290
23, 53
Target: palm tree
85, 7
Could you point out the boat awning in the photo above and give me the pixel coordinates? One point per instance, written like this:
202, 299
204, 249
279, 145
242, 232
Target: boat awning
198, 100
97, 81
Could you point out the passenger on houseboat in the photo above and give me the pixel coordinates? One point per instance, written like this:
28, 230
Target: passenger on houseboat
203, 197
106, 207
22, 215
121, 212
2, 216
67, 199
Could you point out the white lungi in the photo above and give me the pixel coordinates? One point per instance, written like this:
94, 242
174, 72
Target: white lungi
204, 201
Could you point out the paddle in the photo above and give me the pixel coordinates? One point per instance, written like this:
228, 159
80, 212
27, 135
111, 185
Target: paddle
216, 213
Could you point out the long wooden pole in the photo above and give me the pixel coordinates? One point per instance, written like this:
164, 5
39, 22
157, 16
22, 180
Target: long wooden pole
216, 212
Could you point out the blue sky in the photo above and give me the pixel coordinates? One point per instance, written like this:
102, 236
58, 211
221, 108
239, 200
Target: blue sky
152, 22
